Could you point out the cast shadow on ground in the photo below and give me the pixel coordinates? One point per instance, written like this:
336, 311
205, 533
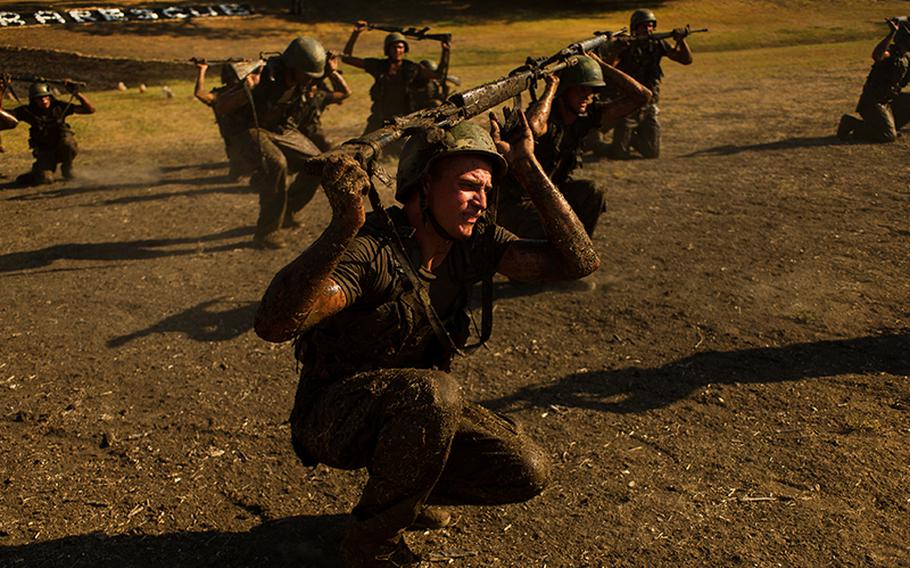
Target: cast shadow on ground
200, 323
213, 183
634, 389
128, 250
311, 541
785, 144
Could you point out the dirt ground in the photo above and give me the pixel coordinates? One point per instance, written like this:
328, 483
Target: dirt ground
734, 391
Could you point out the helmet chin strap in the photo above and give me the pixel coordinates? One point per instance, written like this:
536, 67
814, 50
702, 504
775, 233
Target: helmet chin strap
428, 216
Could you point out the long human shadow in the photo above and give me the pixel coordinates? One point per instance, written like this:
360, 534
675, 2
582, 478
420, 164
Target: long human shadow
127, 250
311, 541
200, 323
230, 189
637, 389
785, 144
214, 184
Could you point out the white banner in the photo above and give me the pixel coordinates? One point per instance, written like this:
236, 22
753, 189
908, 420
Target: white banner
108, 14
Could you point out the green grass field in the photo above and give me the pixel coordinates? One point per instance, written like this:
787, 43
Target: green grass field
747, 40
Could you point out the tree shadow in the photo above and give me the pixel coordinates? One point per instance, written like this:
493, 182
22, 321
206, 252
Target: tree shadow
200, 323
311, 541
785, 144
128, 250
635, 389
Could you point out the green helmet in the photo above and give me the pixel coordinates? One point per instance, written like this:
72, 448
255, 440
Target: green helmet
307, 55
902, 37
419, 155
38, 90
642, 16
392, 38
431, 65
585, 73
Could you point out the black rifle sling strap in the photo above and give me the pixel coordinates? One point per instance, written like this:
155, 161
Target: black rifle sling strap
397, 247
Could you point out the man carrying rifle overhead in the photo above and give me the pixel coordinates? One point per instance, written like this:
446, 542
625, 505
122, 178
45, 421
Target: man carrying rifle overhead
268, 105
883, 107
396, 79
563, 116
639, 55
50, 137
232, 72
377, 306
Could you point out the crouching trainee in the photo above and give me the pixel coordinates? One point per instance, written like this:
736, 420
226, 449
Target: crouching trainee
377, 306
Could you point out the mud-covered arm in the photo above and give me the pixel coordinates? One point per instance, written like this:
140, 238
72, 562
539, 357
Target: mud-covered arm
635, 95
7, 120
568, 252
442, 69
347, 54
881, 52
200, 93
340, 88
539, 112
235, 97
680, 52
85, 106
303, 292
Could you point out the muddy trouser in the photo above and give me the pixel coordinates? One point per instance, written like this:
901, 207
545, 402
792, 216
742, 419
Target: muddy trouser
272, 159
640, 130
421, 444
586, 199
47, 158
881, 122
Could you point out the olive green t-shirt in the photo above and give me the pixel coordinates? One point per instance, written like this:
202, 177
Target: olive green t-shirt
368, 270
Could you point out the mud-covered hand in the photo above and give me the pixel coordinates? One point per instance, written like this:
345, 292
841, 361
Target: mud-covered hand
345, 183
520, 143
331, 63
360, 26
680, 33
200, 63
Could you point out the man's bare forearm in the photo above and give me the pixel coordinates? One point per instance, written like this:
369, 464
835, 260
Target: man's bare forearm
566, 235
631, 88
302, 293
539, 113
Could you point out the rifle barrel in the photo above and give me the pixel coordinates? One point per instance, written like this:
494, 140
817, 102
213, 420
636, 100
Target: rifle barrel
39, 79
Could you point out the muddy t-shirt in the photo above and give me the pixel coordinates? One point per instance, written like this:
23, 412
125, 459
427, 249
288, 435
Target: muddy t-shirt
312, 108
641, 61
559, 150
384, 324
46, 126
392, 95
886, 79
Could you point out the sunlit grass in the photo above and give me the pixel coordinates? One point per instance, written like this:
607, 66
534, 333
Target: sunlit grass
748, 40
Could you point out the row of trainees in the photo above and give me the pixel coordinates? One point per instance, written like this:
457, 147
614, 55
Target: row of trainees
270, 118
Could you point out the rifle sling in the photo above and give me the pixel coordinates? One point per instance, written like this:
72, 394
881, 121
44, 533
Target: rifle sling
398, 250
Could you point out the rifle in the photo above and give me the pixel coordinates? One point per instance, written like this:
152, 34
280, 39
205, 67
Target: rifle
197, 60
39, 79
411, 32
459, 107
686, 31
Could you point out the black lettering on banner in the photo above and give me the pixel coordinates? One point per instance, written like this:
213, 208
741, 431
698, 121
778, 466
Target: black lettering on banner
47, 17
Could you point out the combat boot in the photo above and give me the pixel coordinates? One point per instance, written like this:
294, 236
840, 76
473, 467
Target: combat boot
66, 169
389, 554
847, 125
431, 518
270, 241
